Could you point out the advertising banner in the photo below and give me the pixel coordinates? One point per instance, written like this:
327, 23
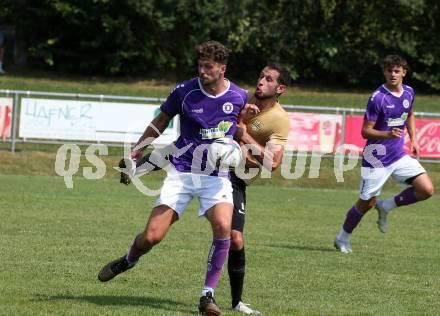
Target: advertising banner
353, 127
314, 132
428, 136
89, 121
5, 117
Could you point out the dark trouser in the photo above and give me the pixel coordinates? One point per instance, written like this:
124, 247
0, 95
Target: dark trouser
237, 259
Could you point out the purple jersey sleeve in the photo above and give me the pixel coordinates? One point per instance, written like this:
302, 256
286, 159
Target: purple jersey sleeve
173, 104
373, 107
411, 92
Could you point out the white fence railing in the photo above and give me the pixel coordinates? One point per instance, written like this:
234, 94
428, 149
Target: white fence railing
18, 95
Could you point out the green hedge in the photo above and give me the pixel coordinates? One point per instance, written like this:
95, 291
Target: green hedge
328, 41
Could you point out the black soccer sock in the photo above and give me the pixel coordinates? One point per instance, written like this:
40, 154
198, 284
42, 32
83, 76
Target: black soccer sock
236, 270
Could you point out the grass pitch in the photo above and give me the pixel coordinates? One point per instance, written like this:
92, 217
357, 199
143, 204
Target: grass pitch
55, 240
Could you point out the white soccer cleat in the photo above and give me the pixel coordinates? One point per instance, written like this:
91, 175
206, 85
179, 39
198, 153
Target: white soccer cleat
245, 309
382, 222
343, 246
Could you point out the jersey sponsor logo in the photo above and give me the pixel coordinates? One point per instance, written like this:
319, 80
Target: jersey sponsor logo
390, 106
228, 107
199, 111
405, 103
256, 125
399, 121
216, 132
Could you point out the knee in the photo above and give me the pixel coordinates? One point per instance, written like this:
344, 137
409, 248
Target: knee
237, 241
426, 192
222, 228
365, 205
151, 237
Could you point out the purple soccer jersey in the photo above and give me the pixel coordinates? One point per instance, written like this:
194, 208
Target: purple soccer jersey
203, 118
388, 111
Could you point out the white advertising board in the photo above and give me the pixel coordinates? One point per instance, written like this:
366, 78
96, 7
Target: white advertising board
89, 121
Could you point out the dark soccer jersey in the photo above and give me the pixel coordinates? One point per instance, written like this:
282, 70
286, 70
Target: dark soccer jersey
203, 118
388, 111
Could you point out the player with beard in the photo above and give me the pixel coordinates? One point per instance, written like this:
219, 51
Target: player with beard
265, 134
208, 107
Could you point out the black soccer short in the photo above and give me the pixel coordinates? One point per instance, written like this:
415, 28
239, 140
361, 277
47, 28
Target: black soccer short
239, 197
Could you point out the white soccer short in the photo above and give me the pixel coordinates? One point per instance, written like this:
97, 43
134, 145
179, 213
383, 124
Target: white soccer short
179, 188
373, 179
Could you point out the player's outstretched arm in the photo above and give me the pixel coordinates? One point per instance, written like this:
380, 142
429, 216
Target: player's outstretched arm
153, 130
369, 132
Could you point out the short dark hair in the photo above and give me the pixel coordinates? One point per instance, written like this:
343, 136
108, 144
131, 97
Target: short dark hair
213, 50
394, 61
284, 78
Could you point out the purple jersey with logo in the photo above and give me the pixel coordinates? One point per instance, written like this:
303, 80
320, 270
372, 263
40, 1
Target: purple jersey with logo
203, 118
388, 111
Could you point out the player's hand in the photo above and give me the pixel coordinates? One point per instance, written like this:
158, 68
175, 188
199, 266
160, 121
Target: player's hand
415, 149
396, 132
249, 111
251, 108
136, 155
240, 131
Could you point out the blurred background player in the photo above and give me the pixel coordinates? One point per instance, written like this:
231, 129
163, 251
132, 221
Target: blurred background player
389, 111
204, 104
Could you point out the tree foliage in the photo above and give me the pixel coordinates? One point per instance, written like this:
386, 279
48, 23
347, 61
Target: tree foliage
328, 41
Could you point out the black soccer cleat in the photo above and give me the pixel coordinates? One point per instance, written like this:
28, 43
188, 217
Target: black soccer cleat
112, 269
208, 306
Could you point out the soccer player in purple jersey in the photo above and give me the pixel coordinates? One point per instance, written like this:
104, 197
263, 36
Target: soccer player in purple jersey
267, 140
389, 111
209, 106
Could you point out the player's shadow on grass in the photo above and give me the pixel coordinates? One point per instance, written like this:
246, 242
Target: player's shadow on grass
109, 300
301, 247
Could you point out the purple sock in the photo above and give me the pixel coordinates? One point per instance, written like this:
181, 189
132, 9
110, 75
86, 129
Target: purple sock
135, 252
216, 259
352, 220
407, 196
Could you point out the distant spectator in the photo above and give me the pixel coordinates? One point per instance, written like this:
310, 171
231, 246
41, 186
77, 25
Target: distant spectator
2, 51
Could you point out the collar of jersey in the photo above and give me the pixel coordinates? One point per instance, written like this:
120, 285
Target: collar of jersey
393, 93
210, 95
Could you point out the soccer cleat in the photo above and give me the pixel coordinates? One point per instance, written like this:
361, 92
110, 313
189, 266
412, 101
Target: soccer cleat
208, 306
245, 309
382, 222
343, 245
114, 268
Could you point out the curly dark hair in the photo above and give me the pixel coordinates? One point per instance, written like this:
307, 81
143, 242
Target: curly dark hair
213, 50
284, 78
393, 61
